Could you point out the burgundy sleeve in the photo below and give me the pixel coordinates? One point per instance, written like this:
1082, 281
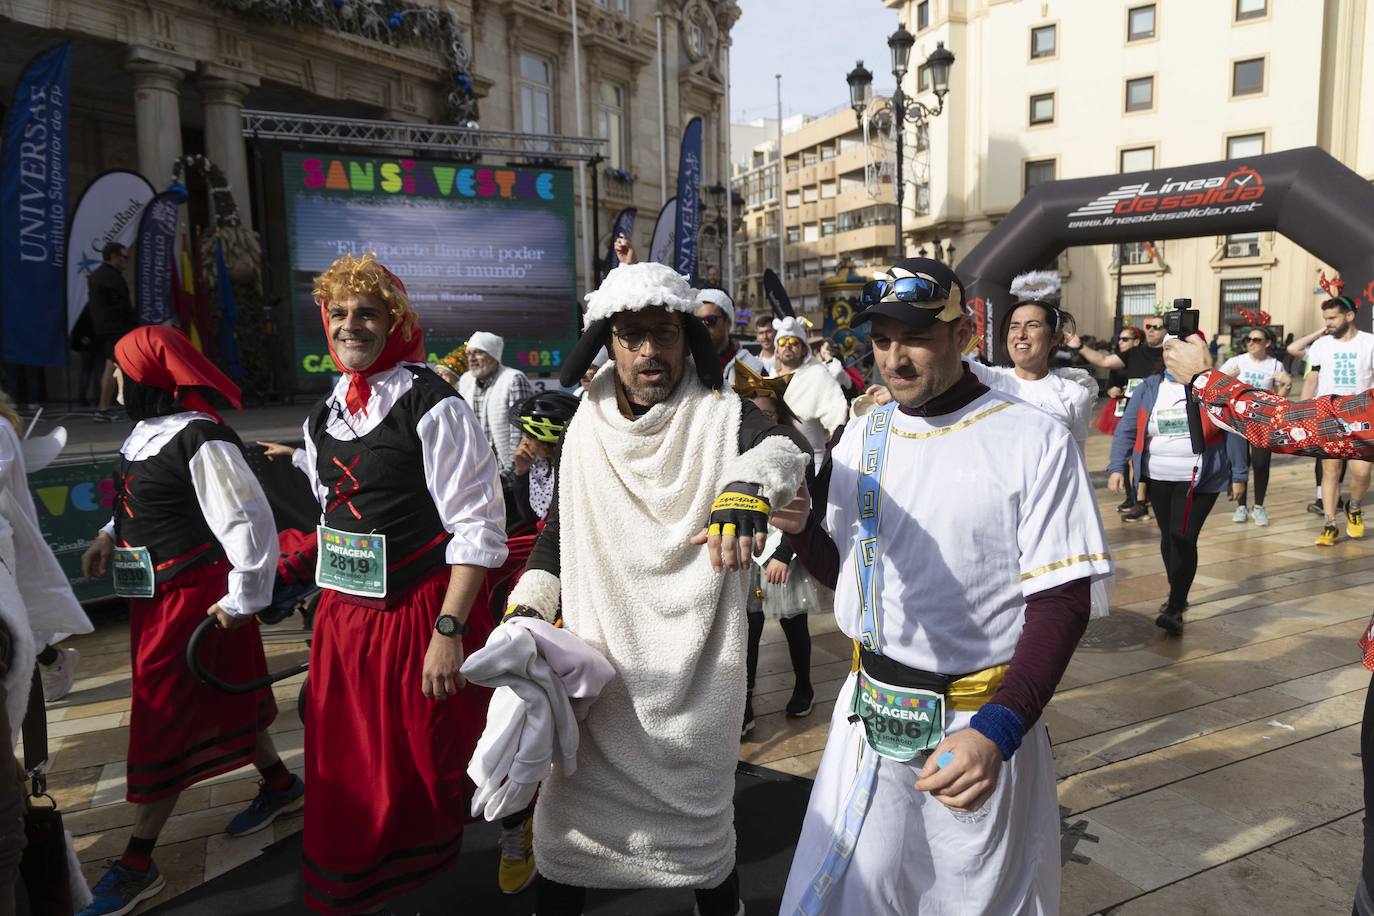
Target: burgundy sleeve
817, 552
1055, 621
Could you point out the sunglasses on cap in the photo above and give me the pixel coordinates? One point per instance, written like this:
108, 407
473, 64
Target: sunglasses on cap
915, 288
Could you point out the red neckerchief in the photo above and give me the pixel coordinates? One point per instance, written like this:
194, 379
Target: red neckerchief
398, 350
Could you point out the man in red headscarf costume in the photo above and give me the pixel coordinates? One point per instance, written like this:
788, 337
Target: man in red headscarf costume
413, 517
192, 535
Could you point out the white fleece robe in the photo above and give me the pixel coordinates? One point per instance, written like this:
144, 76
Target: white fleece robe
651, 801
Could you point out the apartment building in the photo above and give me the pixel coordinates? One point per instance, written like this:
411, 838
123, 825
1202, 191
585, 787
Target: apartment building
1056, 89
834, 200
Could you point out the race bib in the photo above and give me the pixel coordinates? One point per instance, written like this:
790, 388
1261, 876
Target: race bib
354, 564
899, 722
1131, 386
132, 572
1172, 421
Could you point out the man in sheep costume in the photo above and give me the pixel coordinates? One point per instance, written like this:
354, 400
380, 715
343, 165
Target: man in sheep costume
658, 462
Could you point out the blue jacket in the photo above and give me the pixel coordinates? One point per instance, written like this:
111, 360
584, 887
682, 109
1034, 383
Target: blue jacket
1226, 459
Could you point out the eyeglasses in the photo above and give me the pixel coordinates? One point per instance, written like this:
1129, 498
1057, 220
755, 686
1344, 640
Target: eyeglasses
664, 335
903, 289
1256, 340
711, 320
1127, 339
1154, 327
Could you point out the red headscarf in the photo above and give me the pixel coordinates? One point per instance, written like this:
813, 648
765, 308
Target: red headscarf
163, 357
397, 350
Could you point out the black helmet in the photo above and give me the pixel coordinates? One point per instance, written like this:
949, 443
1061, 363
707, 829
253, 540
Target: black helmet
544, 416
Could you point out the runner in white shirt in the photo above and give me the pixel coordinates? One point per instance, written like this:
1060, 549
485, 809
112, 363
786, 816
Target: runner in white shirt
1258, 370
1341, 362
965, 538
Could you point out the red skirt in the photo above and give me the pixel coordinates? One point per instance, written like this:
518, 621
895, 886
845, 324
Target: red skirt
182, 731
387, 768
1107, 420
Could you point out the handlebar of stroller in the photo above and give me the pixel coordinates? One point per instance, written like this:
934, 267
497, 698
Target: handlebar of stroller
193, 662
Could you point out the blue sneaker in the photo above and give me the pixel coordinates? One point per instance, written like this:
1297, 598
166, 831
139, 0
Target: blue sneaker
121, 889
263, 810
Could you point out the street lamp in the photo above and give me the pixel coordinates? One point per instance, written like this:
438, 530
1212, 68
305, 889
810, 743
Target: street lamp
860, 81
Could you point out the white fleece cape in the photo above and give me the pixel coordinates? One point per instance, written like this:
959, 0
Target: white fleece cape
651, 801
818, 403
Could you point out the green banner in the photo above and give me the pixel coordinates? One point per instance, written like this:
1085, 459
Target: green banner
73, 502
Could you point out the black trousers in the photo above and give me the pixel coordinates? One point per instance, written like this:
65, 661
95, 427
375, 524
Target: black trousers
1178, 544
798, 647
1259, 466
554, 899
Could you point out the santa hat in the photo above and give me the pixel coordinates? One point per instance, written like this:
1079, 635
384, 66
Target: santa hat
488, 343
721, 300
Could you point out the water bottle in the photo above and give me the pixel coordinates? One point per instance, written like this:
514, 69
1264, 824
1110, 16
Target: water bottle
963, 817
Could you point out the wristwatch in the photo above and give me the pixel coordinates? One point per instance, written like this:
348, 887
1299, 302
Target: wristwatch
448, 625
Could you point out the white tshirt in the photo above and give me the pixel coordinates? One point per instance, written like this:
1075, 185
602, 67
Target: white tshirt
1347, 366
1067, 395
1259, 374
1170, 445
979, 509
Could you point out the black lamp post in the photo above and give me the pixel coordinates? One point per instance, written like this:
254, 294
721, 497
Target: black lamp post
860, 82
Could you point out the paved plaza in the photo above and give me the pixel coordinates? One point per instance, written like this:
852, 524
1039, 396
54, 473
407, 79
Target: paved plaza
1216, 774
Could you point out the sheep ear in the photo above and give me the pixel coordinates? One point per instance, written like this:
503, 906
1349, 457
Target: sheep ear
597, 335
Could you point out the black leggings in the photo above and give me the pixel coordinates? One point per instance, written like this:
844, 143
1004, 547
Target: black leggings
554, 899
1259, 466
1364, 891
1178, 547
798, 646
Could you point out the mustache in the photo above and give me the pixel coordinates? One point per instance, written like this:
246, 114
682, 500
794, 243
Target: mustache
650, 364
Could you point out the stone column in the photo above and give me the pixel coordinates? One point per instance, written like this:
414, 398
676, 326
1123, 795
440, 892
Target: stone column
224, 143
157, 117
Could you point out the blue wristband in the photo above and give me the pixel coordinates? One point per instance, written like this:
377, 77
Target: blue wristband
1000, 725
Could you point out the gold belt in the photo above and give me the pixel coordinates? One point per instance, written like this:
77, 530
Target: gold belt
966, 694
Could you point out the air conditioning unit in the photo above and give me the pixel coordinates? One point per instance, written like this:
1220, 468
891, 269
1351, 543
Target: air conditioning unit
1240, 250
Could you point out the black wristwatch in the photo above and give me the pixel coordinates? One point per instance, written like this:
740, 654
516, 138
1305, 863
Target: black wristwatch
448, 625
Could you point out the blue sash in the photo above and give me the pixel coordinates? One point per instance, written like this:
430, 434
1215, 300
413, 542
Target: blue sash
866, 556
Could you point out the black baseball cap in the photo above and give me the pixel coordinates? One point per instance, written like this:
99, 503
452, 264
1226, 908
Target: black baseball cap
916, 291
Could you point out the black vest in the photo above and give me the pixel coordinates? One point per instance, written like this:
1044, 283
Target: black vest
156, 507
376, 483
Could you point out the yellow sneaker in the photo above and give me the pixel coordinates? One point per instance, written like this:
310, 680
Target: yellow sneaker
517, 870
1354, 523
1327, 538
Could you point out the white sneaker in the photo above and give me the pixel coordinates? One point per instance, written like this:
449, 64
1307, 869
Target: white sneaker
59, 676
1240, 515
1260, 516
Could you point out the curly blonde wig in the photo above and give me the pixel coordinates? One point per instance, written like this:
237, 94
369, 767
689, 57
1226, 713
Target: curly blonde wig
365, 275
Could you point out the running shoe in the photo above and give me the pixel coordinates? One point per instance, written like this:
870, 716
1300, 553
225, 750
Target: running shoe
1354, 521
60, 675
516, 871
1240, 516
1328, 536
103, 416
1170, 620
748, 725
1260, 516
265, 809
121, 889
1126, 504
803, 699
1135, 513
1316, 507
